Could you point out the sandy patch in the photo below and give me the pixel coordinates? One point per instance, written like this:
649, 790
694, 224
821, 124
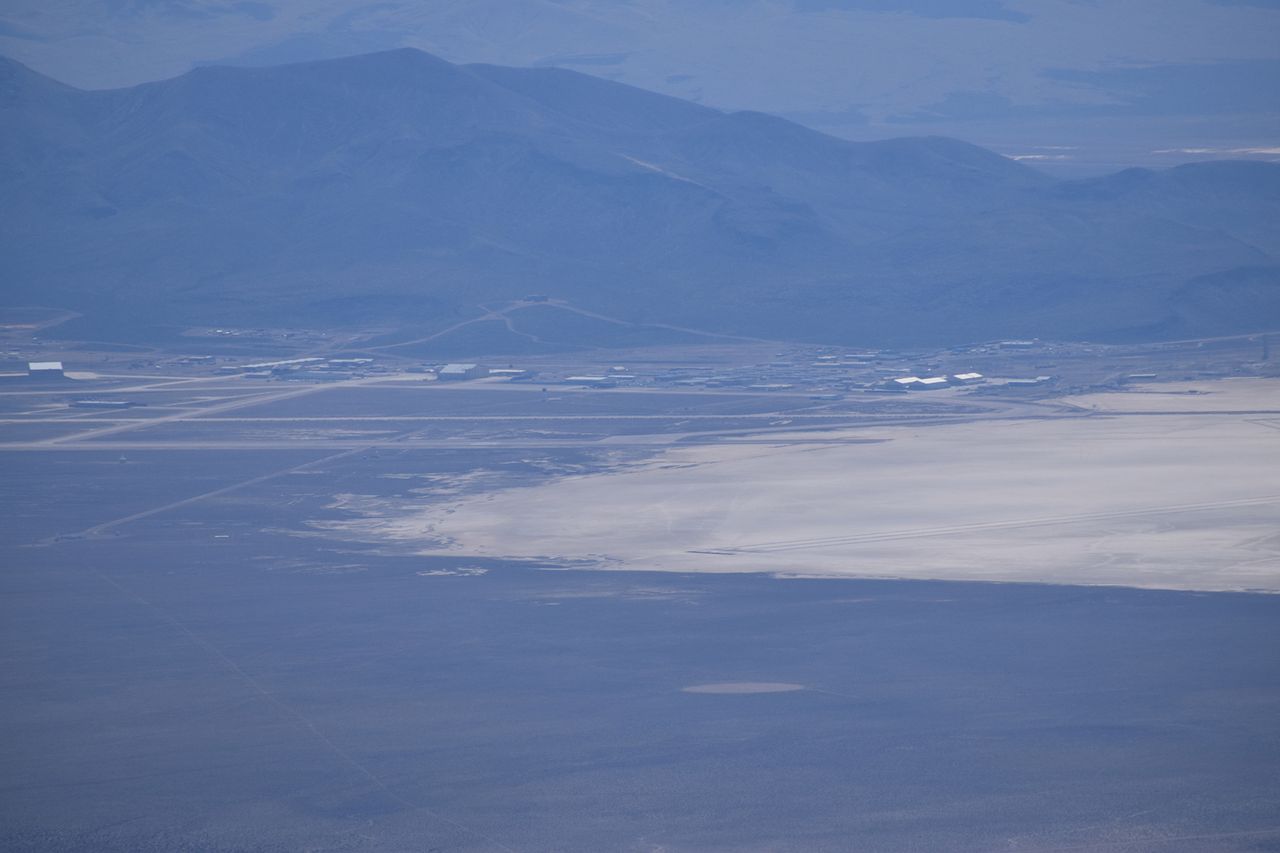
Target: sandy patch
744, 687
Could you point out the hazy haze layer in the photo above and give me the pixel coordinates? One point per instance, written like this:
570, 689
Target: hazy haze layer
1069, 84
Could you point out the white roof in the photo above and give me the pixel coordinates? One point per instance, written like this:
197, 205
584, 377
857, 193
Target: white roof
907, 380
968, 376
932, 380
458, 368
285, 363
44, 365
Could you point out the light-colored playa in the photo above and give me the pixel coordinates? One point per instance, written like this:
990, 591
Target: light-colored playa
1178, 501
1205, 395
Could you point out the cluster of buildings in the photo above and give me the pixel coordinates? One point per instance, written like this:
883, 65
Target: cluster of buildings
825, 374
315, 368
311, 368
933, 383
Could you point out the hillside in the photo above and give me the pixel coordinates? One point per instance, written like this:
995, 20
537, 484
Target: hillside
399, 188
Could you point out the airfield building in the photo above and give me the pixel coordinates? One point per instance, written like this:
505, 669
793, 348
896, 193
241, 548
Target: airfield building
45, 370
459, 372
592, 381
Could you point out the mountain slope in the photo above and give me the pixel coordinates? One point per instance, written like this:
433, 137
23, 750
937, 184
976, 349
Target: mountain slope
412, 190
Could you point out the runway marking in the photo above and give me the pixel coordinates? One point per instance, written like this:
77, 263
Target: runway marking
99, 529
235, 403
186, 417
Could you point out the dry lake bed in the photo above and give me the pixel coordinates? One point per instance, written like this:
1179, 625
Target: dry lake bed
1174, 487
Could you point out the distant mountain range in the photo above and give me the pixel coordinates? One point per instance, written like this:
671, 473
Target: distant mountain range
1077, 88
397, 188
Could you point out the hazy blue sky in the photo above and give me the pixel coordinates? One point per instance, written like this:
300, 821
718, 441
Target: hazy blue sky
1058, 82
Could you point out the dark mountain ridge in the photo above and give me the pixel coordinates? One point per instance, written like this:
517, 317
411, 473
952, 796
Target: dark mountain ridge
414, 190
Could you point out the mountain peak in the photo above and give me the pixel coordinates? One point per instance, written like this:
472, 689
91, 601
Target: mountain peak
395, 66
399, 59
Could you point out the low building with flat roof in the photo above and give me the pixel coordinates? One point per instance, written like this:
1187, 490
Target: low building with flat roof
45, 370
592, 380
457, 372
